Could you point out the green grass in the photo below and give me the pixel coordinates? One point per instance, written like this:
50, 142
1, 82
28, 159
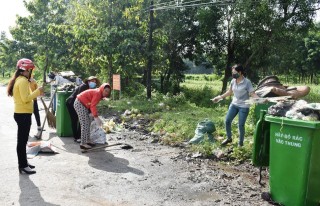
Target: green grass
176, 117
314, 94
201, 82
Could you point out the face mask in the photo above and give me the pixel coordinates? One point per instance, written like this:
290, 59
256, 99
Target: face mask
92, 85
235, 76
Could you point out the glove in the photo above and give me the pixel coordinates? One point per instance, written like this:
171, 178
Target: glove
98, 121
217, 99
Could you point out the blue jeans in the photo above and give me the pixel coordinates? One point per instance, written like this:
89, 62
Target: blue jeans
232, 113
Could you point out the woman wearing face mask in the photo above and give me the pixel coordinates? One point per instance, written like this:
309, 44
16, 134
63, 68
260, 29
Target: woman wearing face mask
85, 103
242, 89
90, 83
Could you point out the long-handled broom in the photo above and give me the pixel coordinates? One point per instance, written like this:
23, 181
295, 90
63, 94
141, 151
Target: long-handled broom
51, 117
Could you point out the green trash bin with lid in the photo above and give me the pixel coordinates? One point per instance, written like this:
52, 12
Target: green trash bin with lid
259, 107
294, 170
63, 120
261, 143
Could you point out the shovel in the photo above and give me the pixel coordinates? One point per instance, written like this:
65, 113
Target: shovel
124, 146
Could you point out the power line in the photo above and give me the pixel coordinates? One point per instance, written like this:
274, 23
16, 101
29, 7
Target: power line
191, 2
170, 2
174, 3
187, 4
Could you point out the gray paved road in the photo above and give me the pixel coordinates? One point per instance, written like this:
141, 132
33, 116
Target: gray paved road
147, 175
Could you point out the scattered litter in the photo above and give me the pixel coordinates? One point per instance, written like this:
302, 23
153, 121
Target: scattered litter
196, 155
110, 126
33, 148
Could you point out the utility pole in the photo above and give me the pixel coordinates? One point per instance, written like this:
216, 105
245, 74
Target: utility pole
109, 56
149, 69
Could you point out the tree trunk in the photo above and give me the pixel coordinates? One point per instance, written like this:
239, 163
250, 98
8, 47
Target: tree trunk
45, 67
110, 65
162, 83
230, 59
144, 77
150, 50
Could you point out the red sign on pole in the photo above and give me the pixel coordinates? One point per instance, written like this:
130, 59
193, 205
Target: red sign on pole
116, 82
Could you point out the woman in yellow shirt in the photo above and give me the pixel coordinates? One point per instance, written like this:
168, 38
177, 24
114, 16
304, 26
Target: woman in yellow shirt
19, 89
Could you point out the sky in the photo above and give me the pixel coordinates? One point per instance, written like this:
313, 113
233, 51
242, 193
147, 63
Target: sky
8, 11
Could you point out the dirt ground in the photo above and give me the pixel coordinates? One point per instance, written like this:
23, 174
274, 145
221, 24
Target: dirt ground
148, 174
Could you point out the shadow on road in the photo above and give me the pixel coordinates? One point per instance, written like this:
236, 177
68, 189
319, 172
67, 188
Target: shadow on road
101, 160
30, 194
108, 162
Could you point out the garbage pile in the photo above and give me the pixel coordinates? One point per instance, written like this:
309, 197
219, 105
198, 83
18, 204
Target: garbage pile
67, 87
33, 148
296, 110
205, 127
64, 81
109, 126
271, 86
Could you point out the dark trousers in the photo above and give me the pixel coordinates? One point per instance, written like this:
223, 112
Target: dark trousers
36, 112
24, 124
74, 120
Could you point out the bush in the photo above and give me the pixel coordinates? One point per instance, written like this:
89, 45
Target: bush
200, 97
134, 89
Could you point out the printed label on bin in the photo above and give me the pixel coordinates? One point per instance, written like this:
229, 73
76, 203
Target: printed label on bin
288, 139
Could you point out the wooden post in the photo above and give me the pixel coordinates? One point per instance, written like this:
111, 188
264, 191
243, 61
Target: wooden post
116, 84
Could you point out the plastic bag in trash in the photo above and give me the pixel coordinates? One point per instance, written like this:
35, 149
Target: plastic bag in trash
97, 134
205, 127
280, 108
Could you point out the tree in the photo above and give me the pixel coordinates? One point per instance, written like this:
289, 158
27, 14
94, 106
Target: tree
34, 37
254, 30
174, 36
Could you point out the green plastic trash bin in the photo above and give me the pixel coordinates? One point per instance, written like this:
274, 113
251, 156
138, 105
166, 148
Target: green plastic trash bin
260, 107
261, 144
63, 121
294, 161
